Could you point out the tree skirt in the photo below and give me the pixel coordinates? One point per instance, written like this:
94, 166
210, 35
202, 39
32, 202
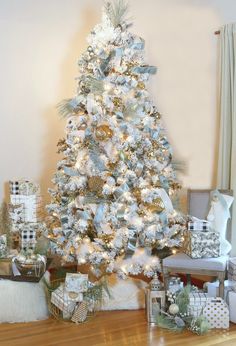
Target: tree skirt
22, 301
126, 294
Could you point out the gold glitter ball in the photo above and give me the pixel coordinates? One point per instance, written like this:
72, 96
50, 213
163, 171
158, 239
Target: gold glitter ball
117, 101
103, 133
156, 206
141, 85
95, 184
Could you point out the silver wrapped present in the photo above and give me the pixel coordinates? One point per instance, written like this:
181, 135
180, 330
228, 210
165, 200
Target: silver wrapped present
63, 302
197, 301
198, 244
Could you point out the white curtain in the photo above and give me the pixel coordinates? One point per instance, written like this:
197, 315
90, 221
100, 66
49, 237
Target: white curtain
226, 178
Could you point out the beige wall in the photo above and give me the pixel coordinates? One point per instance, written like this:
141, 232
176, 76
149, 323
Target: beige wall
40, 42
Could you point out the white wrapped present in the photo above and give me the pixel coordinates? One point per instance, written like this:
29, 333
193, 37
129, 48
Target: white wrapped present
198, 244
63, 302
232, 269
32, 206
229, 295
217, 313
213, 288
197, 301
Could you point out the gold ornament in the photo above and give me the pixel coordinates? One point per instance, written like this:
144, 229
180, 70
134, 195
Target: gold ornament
156, 206
141, 85
150, 154
103, 132
117, 101
155, 145
95, 184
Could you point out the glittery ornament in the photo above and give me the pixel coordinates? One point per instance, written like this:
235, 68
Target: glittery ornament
117, 101
80, 313
141, 85
156, 206
95, 184
173, 309
103, 132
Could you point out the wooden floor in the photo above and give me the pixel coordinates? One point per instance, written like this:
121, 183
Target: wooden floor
115, 328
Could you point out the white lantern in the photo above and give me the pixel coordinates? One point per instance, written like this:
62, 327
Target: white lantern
155, 299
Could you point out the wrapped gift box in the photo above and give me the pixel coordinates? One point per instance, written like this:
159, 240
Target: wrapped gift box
197, 301
232, 269
28, 237
217, 313
63, 302
213, 288
76, 282
199, 225
229, 295
32, 206
24, 187
198, 244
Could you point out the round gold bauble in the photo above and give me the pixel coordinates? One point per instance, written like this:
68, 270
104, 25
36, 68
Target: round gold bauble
141, 85
103, 132
117, 101
95, 184
156, 206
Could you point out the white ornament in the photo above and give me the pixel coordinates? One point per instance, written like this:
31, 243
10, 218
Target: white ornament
173, 309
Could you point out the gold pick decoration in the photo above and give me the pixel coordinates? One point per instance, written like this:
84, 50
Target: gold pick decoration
137, 194
103, 132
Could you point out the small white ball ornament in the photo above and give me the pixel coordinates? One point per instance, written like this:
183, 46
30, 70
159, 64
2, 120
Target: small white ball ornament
173, 309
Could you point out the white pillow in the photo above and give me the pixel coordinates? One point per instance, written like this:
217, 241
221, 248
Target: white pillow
218, 217
126, 294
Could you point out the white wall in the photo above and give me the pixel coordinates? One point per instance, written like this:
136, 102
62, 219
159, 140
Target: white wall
40, 42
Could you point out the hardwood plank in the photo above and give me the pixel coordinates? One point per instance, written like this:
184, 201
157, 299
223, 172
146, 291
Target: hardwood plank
114, 328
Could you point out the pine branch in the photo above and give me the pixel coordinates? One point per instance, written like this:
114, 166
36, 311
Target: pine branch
116, 12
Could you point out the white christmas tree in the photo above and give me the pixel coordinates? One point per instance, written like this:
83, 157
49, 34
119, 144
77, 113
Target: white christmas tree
110, 207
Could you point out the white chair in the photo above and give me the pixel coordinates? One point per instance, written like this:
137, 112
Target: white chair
198, 205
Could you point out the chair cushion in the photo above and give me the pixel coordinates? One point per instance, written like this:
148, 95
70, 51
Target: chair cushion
181, 260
